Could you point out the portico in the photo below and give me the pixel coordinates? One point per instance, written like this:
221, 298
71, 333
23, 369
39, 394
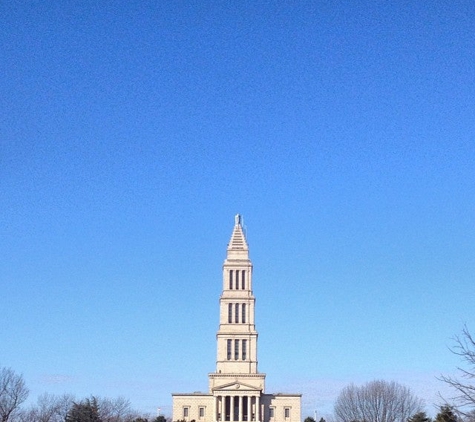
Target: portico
237, 407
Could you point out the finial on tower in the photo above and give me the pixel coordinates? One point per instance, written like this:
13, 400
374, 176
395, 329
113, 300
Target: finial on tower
237, 219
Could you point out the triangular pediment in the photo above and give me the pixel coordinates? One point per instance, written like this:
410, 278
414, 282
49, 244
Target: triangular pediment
235, 386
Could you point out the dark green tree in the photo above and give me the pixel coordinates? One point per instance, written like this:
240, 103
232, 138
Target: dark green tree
309, 419
160, 418
84, 411
419, 417
446, 414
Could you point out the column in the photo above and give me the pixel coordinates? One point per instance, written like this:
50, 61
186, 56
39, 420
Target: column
231, 410
258, 409
221, 406
248, 410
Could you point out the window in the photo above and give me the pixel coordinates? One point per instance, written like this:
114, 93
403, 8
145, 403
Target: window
271, 412
185, 412
237, 279
243, 280
236, 349
202, 412
244, 349
243, 307
230, 313
236, 313
228, 349
287, 412
230, 279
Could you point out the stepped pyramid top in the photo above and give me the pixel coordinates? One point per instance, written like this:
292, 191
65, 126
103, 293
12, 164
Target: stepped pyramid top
238, 239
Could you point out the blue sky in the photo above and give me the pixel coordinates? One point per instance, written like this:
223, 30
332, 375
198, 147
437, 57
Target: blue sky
131, 134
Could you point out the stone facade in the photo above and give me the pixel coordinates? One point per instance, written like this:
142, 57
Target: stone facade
237, 389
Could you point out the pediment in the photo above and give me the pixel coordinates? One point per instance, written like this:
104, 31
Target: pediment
236, 385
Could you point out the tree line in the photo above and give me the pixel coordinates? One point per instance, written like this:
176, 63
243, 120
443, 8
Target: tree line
446, 413
62, 408
375, 401
382, 401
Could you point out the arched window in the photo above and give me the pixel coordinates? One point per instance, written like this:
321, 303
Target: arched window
230, 313
243, 313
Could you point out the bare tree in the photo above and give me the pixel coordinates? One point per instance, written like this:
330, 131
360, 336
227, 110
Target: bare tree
464, 387
470, 416
116, 410
13, 393
49, 408
376, 401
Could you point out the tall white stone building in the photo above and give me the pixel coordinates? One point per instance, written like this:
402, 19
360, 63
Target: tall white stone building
237, 389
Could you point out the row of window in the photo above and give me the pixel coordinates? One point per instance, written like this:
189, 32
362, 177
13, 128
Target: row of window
238, 344
286, 412
201, 412
237, 279
236, 313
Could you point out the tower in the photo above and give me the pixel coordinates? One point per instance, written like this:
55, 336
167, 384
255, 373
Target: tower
236, 388
237, 335
236, 385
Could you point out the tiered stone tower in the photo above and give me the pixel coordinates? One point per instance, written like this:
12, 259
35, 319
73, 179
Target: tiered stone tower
236, 384
236, 389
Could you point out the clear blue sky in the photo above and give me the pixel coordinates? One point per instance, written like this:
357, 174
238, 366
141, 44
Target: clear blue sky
131, 134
